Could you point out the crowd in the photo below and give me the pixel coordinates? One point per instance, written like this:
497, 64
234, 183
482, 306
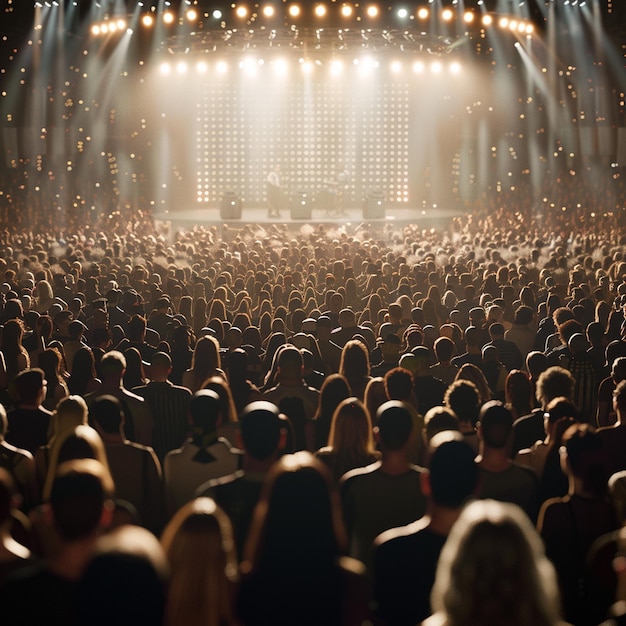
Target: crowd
389, 426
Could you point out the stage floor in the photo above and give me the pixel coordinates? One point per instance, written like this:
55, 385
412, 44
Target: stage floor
430, 217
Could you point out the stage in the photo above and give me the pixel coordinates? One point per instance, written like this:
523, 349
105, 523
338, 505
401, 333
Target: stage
398, 216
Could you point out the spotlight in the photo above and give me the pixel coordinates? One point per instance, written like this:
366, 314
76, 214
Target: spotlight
436, 67
104, 28
181, 67
201, 67
320, 10
168, 17
165, 69
217, 14
112, 27
147, 20
336, 67
269, 11
418, 67
487, 20
95, 30
521, 27
468, 17
307, 66
447, 15
455, 68
372, 11
192, 15
513, 25
280, 67
346, 10
396, 67
241, 12
221, 67
530, 29
504, 22
121, 24
423, 13
403, 13
294, 10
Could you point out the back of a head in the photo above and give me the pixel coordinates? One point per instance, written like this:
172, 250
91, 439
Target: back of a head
395, 424
496, 424
261, 429
113, 363
300, 506
554, 382
439, 419
107, 412
204, 409
585, 457
290, 361
463, 399
398, 384
444, 348
453, 473
492, 570
77, 497
28, 385
560, 408
125, 582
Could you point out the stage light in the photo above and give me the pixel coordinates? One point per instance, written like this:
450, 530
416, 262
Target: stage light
147, 20
221, 67
487, 20
168, 17
447, 15
530, 29
307, 66
468, 17
269, 11
241, 12
104, 28
423, 13
513, 25
372, 11
403, 13
112, 26
201, 67
181, 67
521, 28
418, 67
294, 10
95, 30
320, 10
455, 68
504, 22
192, 15
336, 67
346, 10
217, 14
165, 69
436, 67
121, 24
280, 67
396, 67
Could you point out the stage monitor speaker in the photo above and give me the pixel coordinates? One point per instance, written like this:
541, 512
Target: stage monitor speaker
301, 204
230, 206
374, 205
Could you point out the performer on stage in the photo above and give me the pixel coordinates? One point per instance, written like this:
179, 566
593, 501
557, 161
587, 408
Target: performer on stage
274, 192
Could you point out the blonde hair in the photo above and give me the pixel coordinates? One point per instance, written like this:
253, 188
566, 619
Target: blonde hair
71, 411
200, 547
351, 431
79, 438
493, 570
